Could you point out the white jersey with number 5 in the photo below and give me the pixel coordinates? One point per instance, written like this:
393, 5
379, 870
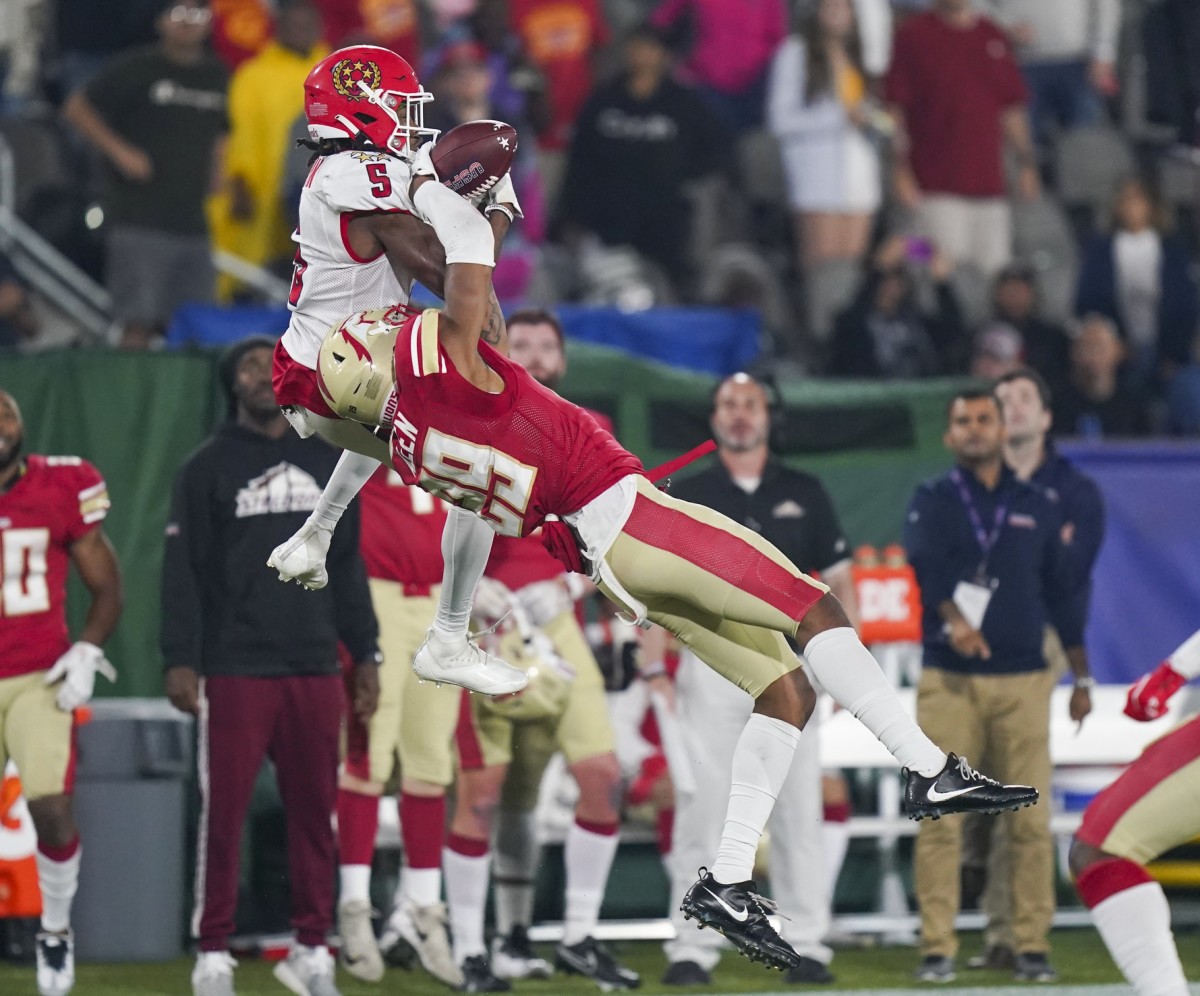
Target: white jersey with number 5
329, 281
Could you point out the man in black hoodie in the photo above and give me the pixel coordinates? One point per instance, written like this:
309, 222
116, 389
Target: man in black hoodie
257, 661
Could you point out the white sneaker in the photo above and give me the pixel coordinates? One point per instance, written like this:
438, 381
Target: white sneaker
359, 954
302, 558
459, 661
423, 928
213, 974
308, 971
55, 963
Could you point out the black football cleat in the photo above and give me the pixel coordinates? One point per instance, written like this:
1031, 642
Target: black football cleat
478, 978
740, 913
593, 960
959, 788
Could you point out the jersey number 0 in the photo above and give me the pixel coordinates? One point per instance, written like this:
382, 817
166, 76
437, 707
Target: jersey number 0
23, 572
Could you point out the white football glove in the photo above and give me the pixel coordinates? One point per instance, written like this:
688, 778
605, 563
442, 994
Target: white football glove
422, 163
77, 670
503, 193
492, 599
302, 558
544, 600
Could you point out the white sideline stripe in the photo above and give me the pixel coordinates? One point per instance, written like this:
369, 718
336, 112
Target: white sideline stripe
206, 802
1021, 990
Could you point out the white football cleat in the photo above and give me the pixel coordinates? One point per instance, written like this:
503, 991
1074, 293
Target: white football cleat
308, 971
423, 928
460, 661
302, 558
55, 963
359, 953
213, 974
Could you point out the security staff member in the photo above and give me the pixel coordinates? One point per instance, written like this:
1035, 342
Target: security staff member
792, 510
989, 558
257, 662
1025, 398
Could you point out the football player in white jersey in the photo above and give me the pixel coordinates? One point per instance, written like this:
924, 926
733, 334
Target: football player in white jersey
369, 224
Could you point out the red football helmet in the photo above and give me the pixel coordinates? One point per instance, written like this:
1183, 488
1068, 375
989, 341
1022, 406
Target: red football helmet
367, 90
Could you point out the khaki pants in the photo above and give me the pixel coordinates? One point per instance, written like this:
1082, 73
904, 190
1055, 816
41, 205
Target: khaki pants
974, 230
1006, 718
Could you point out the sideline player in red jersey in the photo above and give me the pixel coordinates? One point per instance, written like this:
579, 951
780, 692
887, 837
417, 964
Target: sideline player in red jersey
470, 426
1150, 809
367, 229
414, 723
504, 746
51, 510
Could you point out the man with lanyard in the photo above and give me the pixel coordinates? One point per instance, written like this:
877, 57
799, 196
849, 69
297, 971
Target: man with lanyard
988, 553
1025, 397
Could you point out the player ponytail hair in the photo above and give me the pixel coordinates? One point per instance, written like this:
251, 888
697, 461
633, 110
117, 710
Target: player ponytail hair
332, 146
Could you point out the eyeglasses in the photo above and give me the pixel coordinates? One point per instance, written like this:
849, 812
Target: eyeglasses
183, 14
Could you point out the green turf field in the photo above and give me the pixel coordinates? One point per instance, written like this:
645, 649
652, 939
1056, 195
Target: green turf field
1078, 955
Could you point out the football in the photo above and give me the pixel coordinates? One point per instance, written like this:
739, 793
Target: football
472, 157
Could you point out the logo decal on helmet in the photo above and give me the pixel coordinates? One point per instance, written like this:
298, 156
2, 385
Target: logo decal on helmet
348, 73
360, 350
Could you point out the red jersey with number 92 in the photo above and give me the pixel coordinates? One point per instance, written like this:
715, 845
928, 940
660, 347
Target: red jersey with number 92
54, 502
514, 457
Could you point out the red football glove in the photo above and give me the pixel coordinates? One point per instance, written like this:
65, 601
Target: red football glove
1148, 698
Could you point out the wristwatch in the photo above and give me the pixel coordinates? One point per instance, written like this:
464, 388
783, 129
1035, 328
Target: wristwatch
1086, 682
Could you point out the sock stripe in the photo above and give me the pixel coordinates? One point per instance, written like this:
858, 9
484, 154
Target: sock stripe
468, 847
63, 853
600, 829
1105, 879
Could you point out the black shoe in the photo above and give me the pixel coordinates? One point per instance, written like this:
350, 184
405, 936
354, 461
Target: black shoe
513, 957
686, 973
936, 968
995, 958
959, 788
739, 913
478, 978
809, 971
592, 959
1034, 967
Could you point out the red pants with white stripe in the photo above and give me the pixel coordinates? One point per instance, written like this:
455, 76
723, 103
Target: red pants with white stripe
295, 721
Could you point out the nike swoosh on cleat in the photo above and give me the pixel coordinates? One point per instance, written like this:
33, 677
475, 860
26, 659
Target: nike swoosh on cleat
933, 795
740, 915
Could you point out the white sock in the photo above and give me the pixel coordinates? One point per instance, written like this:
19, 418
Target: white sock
836, 838
58, 881
515, 869
588, 857
423, 886
466, 895
351, 472
466, 545
848, 672
1135, 925
761, 761
355, 883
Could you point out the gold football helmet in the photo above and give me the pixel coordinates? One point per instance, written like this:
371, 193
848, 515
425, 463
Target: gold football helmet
355, 366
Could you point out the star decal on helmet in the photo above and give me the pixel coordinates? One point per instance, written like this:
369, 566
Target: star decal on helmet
363, 156
348, 73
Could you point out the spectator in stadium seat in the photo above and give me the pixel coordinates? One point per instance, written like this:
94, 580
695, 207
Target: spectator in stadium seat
1140, 277
818, 108
257, 662
957, 95
996, 350
1015, 302
643, 125
18, 323
1068, 53
266, 93
158, 116
992, 568
885, 332
731, 46
1097, 398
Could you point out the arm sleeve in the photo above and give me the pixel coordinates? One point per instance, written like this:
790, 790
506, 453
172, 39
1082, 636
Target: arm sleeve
189, 538
1186, 658
788, 114
353, 614
1064, 606
464, 233
924, 539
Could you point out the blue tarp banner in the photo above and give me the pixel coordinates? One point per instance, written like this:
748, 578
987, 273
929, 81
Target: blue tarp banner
1146, 592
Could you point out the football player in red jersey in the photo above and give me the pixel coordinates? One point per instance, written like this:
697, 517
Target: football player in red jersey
51, 510
506, 744
1150, 809
477, 430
